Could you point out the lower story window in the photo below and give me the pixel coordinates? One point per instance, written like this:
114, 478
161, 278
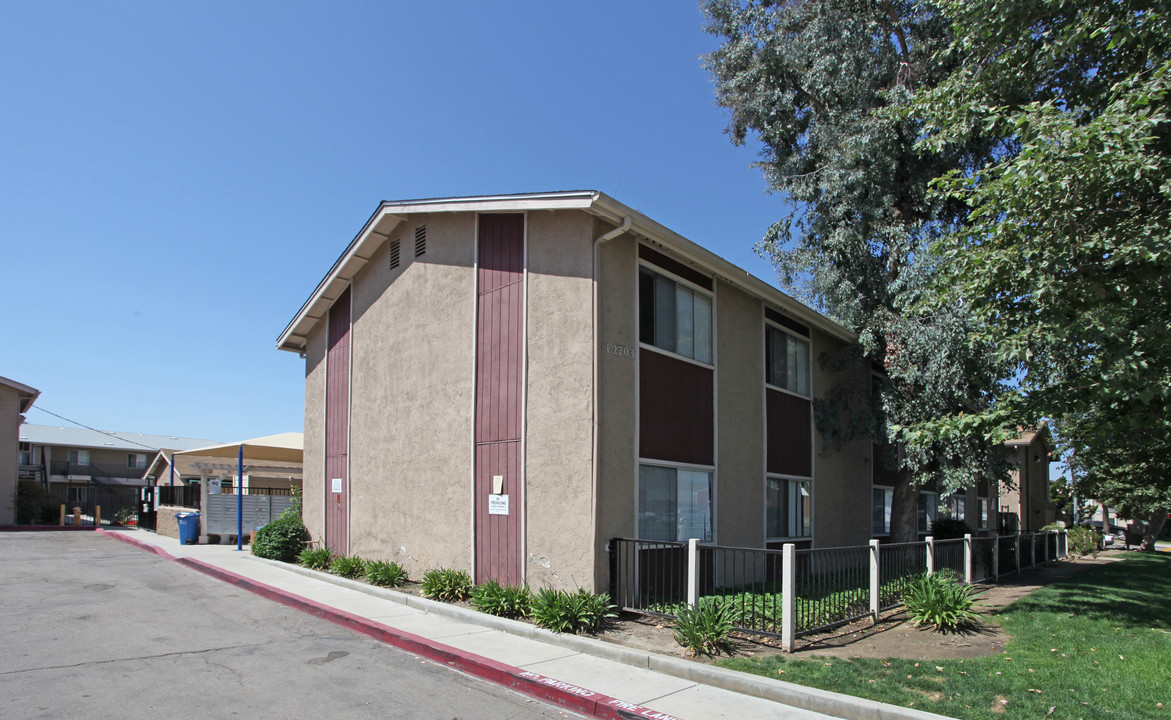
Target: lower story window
674, 503
957, 506
928, 509
983, 522
788, 505
882, 499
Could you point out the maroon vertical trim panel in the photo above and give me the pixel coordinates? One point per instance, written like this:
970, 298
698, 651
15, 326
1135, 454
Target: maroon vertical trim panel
676, 410
499, 379
337, 425
790, 436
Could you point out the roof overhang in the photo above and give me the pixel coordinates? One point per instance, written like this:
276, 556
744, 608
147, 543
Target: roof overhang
390, 215
283, 448
26, 395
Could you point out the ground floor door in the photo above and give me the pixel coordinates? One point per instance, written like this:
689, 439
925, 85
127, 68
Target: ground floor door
337, 427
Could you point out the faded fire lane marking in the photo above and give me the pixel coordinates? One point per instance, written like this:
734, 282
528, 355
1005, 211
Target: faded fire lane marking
638, 710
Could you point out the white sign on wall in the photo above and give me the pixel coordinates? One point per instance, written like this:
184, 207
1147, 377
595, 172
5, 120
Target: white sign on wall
213, 486
497, 504
337, 485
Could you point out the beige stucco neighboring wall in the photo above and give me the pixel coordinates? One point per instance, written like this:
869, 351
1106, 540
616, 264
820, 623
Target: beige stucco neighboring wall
559, 497
740, 474
617, 390
841, 472
9, 442
313, 502
411, 400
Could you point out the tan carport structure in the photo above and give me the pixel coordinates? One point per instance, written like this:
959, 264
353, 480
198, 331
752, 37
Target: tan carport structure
281, 454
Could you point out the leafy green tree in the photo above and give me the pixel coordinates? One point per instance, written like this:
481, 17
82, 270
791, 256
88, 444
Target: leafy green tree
814, 83
1065, 253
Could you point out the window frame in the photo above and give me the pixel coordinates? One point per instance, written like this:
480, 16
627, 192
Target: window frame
930, 511
984, 513
808, 343
133, 457
957, 506
808, 482
80, 453
695, 289
676, 466
888, 508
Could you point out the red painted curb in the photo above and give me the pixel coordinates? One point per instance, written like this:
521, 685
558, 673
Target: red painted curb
46, 528
577, 699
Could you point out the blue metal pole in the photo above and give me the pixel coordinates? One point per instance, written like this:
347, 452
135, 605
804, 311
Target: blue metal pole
240, 499
172, 463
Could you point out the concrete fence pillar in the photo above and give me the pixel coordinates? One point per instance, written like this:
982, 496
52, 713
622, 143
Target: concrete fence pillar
930, 541
874, 581
968, 558
693, 572
1016, 546
788, 597
996, 556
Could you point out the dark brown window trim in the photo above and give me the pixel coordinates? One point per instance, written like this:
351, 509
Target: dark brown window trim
786, 322
675, 267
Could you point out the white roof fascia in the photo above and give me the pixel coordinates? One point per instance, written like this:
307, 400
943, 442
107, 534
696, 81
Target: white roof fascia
721, 268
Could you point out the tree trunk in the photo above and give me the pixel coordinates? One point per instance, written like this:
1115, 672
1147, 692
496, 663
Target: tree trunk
1154, 529
904, 525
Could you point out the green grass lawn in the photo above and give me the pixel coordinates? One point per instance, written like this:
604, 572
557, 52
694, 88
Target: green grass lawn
1095, 646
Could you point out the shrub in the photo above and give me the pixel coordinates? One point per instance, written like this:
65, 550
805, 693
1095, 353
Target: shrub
563, 612
282, 539
510, 601
706, 628
1084, 541
347, 566
940, 600
446, 585
34, 506
315, 558
949, 529
386, 574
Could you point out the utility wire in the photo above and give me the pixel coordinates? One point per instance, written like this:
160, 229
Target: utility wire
87, 427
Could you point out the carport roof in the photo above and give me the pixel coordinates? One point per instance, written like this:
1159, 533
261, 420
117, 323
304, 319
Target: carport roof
285, 447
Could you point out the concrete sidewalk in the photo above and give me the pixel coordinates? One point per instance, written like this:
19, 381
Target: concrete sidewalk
589, 676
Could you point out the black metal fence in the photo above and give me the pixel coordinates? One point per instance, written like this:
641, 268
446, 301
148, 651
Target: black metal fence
828, 587
85, 502
185, 496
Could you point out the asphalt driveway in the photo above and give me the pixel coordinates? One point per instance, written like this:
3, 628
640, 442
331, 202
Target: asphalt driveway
94, 628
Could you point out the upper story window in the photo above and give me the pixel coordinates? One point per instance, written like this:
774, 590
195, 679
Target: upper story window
79, 457
136, 460
674, 317
786, 361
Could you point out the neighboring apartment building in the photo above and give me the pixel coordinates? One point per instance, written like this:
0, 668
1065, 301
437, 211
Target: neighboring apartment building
504, 383
77, 465
1025, 504
15, 400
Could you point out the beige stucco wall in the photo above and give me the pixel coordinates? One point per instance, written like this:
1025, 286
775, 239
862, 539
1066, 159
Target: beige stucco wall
841, 474
313, 502
740, 474
9, 442
411, 410
559, 497
617, 389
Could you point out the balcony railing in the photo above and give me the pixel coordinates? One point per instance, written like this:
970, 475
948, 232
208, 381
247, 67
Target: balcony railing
95, 471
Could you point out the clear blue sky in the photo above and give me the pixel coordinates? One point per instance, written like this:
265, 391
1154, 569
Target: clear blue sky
177, 177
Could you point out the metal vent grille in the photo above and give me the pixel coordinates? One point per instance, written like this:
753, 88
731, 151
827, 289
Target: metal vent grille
394, 253
420, 240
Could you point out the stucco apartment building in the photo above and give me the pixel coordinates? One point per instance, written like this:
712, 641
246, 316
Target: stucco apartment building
78, 465
504, 383
15, 400
1025, 504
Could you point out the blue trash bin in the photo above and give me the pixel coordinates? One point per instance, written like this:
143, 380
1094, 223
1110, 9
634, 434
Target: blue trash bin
188, 527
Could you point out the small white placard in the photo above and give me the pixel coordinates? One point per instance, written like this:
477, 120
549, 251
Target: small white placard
497, 504
213, 486
337, 485
497, 484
